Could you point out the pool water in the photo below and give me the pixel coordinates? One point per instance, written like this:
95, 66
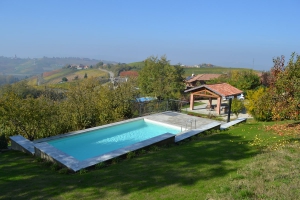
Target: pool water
97, 142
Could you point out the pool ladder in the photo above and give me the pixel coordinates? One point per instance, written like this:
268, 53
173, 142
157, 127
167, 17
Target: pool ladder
190, 123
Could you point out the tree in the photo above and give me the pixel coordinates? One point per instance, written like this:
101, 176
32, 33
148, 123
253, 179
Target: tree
237, 106
85, 75
282, 99
159, 79
64, 79
258, 104
244, 79
30, 117
285, 89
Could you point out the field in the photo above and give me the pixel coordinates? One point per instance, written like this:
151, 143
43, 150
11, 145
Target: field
212, 70
54, 77
248, 161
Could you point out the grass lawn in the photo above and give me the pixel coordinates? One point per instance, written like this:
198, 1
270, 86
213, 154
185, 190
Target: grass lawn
246, 161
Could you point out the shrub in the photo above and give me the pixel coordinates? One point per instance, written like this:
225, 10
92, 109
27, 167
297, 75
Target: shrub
115, 160
131, 155
100, 165
63, 171
154, 148
259, 104
83, 171
54, 167
237, 106
3, 142
142, 151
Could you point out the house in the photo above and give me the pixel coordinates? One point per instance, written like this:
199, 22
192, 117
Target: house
200, 79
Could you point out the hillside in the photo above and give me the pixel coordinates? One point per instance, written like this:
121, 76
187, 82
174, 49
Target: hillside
56, 76
213, 70
138, 65
33, 66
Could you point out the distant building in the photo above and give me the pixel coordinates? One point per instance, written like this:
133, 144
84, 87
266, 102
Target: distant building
200, 79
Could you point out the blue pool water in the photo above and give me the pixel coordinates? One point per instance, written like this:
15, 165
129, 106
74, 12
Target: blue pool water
97, 142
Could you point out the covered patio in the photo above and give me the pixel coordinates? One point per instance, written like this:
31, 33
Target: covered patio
214, 91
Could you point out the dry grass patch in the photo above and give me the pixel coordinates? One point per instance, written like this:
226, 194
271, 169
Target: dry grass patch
271, 175
290, 129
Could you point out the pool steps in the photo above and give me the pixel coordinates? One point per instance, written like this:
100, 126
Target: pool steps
190, 133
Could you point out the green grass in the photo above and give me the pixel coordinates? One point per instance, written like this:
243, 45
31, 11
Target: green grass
213, 70
213, 166
61, 73
139, 65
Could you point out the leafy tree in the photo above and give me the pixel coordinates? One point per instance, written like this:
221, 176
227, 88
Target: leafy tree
285, 89
158, 78
237, 106
258, 104
30, 117
244, 80
282, 99
64, 79
22, 89
85, 75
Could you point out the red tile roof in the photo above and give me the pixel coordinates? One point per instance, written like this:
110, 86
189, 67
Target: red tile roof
222, 89
204, 77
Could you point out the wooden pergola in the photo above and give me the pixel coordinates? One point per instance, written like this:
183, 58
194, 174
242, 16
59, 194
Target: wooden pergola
214, 91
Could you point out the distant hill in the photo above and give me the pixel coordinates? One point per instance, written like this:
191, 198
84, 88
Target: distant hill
137, 65
210, 70
33, 66
203, 68
56, 76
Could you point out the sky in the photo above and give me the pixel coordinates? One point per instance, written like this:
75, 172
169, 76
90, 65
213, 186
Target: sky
231, 33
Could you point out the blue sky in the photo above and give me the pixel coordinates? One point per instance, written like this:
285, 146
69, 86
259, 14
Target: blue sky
240, 33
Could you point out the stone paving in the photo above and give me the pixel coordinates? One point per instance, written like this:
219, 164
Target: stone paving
181, 120
202, 110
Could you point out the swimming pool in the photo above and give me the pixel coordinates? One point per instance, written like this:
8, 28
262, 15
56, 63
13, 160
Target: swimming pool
100, 141
85, 148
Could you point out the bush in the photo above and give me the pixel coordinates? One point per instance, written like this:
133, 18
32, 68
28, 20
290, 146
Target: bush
259, 104
237, 106
54, 167
3, 142
100, 165
83, 171
63, 171
131, 155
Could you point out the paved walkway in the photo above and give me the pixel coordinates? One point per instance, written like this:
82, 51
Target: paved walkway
202, 110
179, 119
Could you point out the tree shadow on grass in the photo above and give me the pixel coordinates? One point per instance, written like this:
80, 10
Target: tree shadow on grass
182, 165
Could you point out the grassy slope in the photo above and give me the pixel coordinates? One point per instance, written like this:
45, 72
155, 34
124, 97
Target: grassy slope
213, 70
197, 169
70, 75
137, 64
189, 71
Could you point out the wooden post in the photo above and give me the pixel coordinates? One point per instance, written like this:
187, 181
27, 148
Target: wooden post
209, 102
229, 110
219, 105
192, 101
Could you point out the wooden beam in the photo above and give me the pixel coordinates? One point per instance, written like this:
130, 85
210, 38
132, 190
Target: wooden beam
206, 93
